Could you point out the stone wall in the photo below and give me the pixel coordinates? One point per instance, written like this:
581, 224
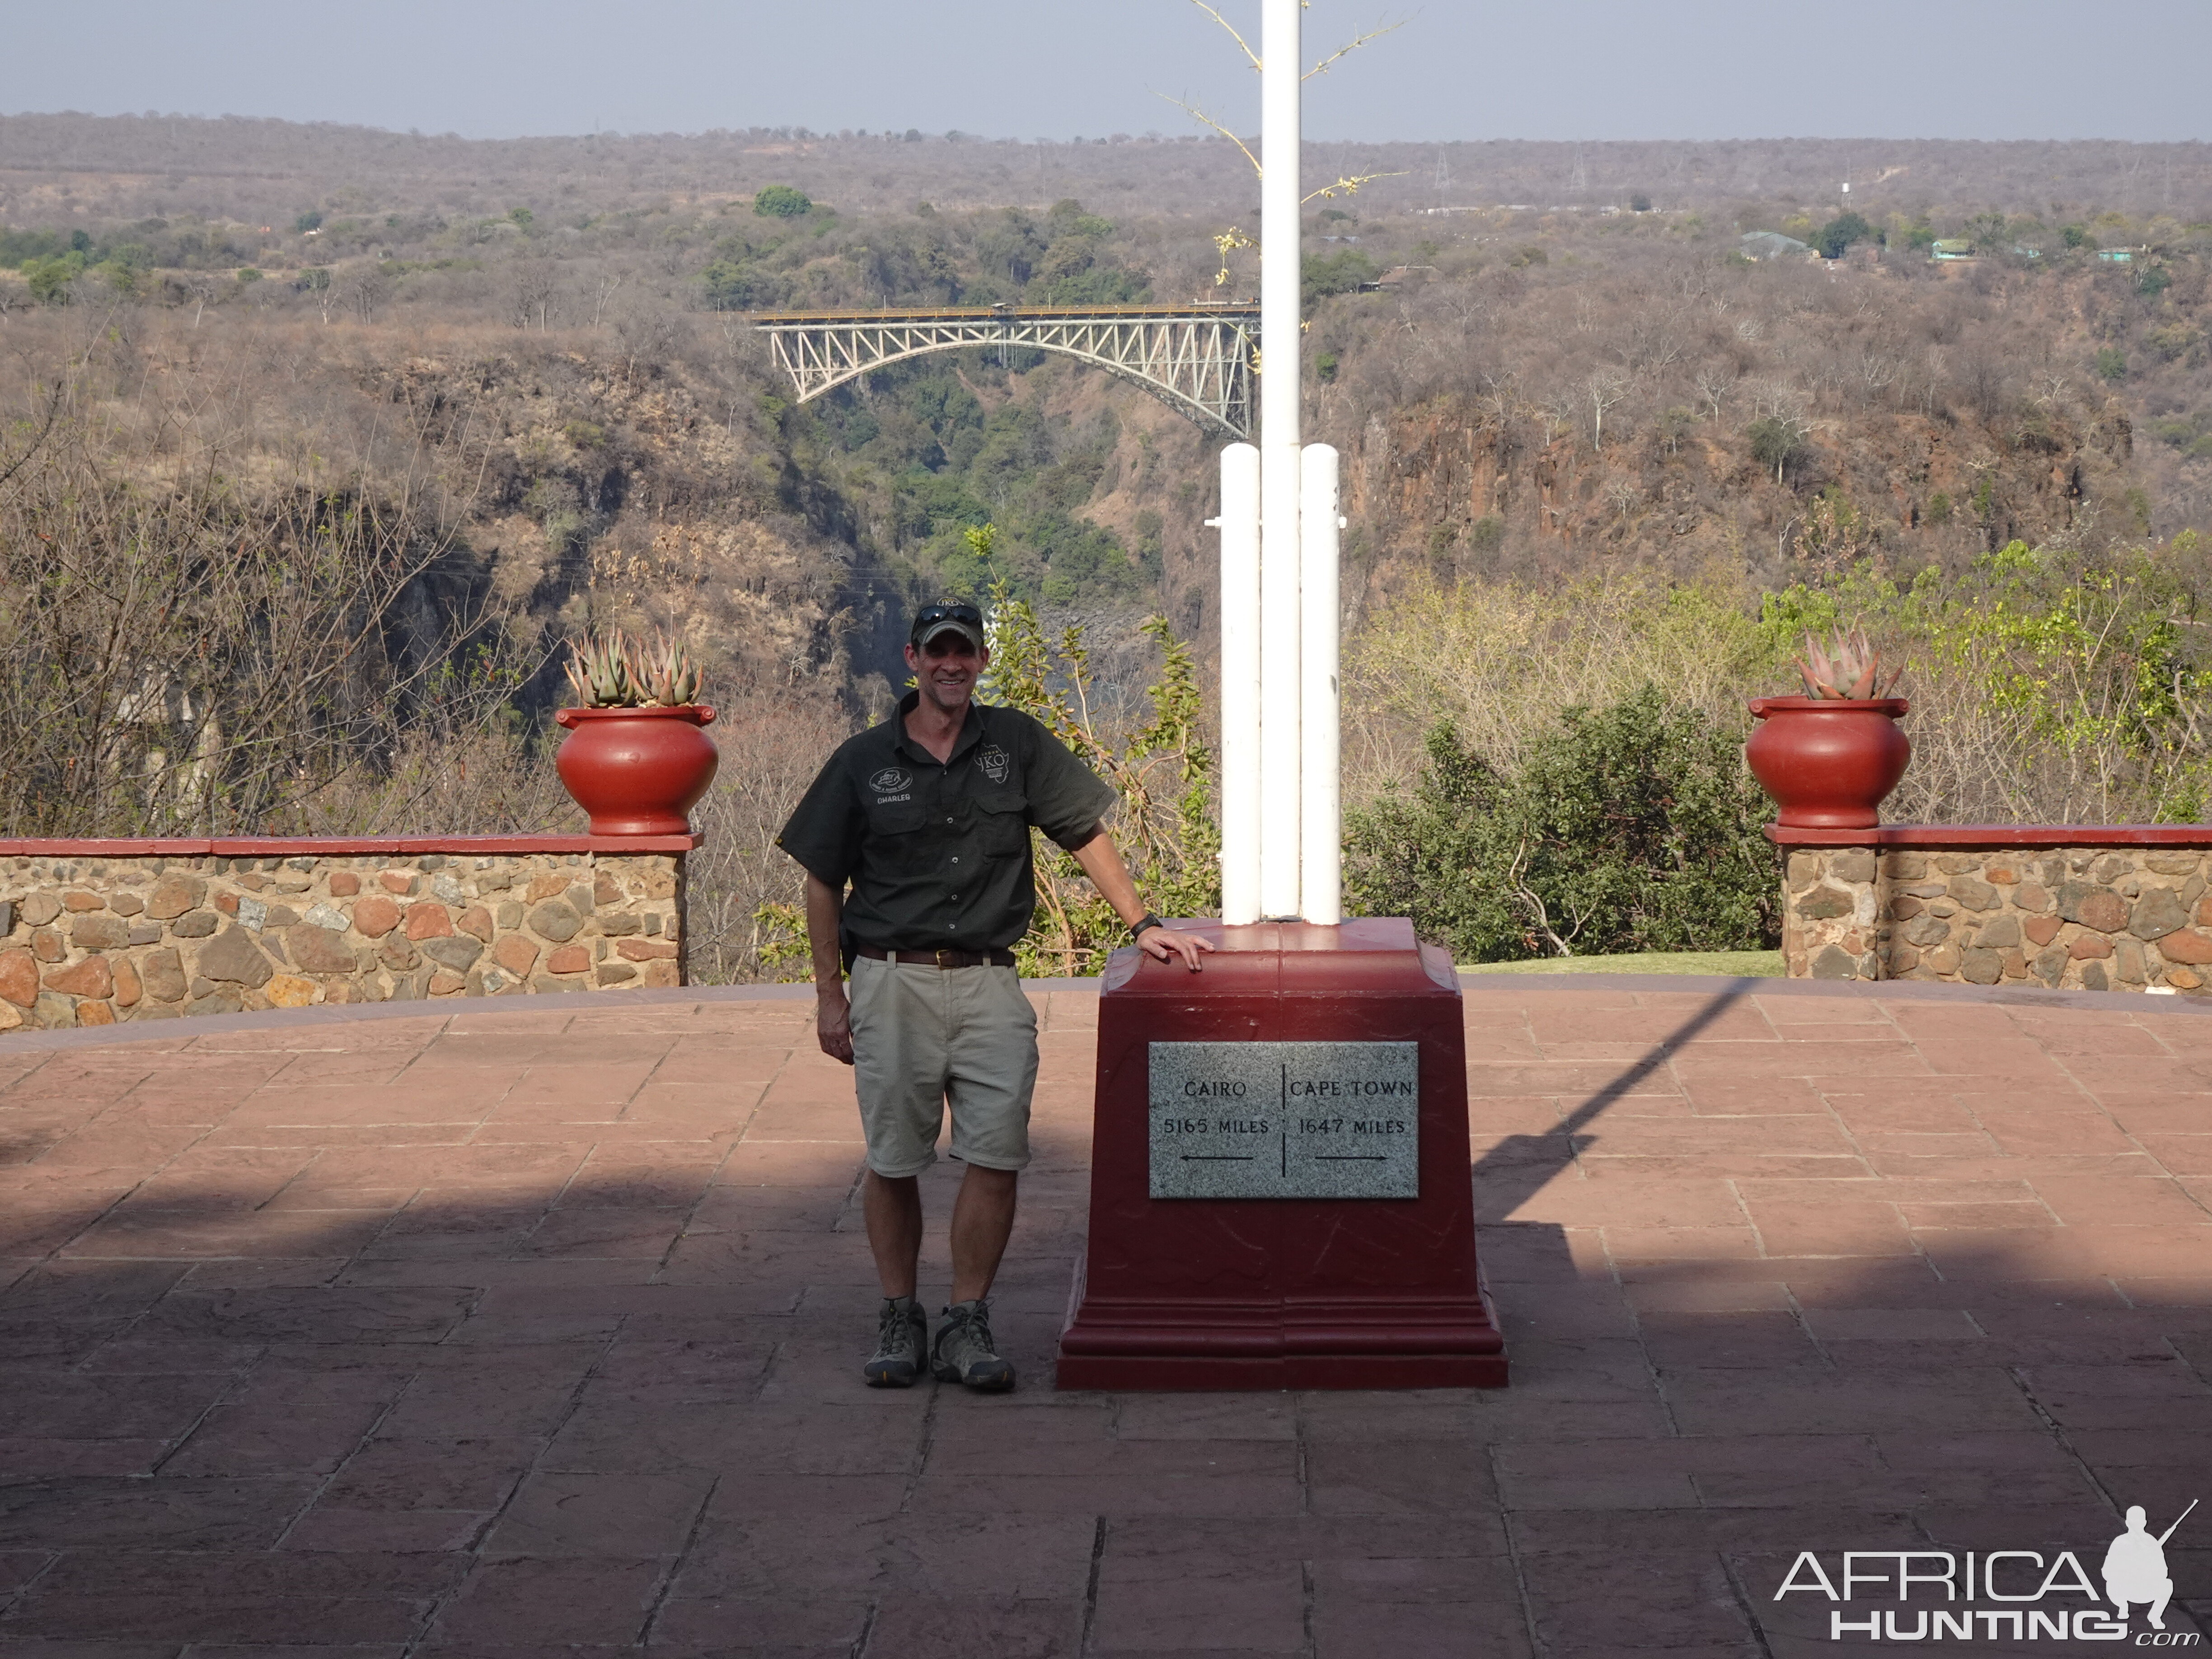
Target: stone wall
2129, 916
91, 937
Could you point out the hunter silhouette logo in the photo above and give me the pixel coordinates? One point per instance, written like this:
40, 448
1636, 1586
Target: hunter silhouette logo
2028, 1590
2135, 1566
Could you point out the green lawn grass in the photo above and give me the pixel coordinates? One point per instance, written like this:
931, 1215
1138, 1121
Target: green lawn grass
1742, 964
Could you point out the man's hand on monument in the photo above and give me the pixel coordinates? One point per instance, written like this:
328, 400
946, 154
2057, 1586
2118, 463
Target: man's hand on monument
833, 1025
1163, 943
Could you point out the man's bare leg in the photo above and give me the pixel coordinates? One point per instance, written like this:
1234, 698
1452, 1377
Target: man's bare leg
982, 1221
893, 1211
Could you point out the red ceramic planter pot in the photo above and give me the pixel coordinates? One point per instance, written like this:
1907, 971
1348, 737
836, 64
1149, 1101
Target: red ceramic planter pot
1828, 762
637, 771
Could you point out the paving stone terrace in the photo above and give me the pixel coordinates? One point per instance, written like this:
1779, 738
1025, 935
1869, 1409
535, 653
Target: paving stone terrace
524, 1329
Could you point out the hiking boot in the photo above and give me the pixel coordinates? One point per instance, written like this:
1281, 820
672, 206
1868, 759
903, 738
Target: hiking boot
901, 1343
965, 1352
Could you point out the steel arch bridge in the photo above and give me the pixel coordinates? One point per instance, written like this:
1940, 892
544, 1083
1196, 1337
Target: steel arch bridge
1197, 359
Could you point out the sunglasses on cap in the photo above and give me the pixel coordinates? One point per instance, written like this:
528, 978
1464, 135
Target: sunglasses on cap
936, 615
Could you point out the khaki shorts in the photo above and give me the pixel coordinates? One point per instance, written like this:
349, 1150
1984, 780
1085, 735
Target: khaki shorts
922, 1034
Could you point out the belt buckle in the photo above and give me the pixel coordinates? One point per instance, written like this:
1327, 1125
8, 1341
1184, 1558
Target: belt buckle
948, 959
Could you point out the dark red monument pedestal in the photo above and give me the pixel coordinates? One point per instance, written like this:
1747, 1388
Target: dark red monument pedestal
1281, 1293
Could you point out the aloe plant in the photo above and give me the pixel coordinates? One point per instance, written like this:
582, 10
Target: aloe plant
612, 671
664, 671
1846, 667
599, 671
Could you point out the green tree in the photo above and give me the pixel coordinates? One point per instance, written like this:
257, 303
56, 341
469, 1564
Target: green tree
1631, 827
1987, 232
2111, 363
733, 285
1840, 232
50, 280
1776, 441
1340, 272
781, 202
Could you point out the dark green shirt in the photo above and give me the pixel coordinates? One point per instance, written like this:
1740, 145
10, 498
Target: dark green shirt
939, 854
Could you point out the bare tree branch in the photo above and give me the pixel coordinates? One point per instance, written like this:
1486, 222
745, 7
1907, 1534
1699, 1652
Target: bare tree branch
1197, 114
1323, 67
1350, 184
1250, 56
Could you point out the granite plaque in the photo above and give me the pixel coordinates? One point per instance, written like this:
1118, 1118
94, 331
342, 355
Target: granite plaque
1285, 1119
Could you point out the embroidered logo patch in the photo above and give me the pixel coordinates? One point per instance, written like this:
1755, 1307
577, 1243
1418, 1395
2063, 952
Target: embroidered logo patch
888, 779
994, 763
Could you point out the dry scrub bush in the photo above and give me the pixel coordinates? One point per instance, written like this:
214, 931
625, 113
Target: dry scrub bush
201, 636
1500, 661
2048, 685
742, 888
451, 776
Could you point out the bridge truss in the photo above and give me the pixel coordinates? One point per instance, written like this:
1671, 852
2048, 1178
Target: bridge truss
1196, 359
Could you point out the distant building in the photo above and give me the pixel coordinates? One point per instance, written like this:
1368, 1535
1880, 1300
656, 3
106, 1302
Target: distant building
1401, 276
2117, 256
1949, 248
1771, 245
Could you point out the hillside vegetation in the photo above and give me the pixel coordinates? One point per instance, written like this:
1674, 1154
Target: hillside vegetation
318, 441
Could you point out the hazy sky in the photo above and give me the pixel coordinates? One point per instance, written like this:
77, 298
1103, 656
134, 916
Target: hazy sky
1570, 69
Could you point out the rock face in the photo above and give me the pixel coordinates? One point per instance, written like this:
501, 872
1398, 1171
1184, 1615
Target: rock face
2088, 917
99, 940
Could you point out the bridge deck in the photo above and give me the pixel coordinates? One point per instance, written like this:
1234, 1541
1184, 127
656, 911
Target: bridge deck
1203, 310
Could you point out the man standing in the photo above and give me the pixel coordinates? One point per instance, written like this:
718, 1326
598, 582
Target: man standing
927, 818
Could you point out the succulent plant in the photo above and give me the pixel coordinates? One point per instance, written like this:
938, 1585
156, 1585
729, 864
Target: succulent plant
1847, 667
612, 671
599, 669
665, 672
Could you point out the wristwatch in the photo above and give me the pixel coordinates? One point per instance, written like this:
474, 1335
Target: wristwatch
1147, 920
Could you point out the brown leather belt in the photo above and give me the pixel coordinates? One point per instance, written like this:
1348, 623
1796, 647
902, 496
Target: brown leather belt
939, 958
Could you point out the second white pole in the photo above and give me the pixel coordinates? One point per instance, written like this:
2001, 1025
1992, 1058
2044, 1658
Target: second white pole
1320, 878
1280, 60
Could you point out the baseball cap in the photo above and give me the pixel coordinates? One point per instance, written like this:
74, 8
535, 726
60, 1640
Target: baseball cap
945, 616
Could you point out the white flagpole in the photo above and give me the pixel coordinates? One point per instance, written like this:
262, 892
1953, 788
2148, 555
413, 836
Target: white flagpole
1280, 747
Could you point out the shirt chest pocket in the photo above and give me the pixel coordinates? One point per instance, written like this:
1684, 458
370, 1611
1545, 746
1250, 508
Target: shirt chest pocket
1002, 823
896, 833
